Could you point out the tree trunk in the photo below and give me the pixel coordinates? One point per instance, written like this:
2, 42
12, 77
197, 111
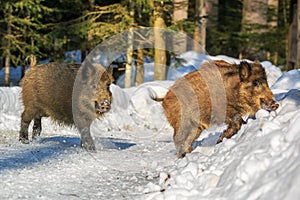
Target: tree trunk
180, 10
8, 46
298, 35
292, 38
91, 4
129, 54
180, 13
160, 57
7, 67
200, 29
254, 22
254, 12
139, 75
273, 6
128, 67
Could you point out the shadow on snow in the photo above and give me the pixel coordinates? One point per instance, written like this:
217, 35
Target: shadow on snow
36, 152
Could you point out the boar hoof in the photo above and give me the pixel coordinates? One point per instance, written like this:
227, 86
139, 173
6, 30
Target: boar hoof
181, 153
35, 137
24, 141
88, 146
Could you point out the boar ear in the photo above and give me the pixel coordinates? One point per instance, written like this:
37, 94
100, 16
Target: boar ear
244, 70
88, 70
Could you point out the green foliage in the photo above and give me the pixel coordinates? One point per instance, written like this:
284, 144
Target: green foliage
225, 36
21, 27
50, 28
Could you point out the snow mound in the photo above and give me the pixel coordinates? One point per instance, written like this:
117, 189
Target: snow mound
260, 162
288, 81
273, 72
10, 106
135, 108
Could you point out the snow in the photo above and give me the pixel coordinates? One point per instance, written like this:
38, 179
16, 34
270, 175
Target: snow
136, 155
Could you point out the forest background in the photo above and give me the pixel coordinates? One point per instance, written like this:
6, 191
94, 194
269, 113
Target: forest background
245, 29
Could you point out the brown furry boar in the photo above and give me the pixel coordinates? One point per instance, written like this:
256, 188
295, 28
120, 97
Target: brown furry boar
50, 90
218, 93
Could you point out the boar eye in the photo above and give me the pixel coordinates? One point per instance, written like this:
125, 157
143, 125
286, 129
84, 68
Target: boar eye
256, 83
94, 86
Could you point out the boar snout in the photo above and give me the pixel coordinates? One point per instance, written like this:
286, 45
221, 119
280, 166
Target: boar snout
102, 107
272, 106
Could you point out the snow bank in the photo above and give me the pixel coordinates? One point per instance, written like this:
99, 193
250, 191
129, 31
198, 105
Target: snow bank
10, 107
134, 109
288, 81
11, 110
273, 72
261, 162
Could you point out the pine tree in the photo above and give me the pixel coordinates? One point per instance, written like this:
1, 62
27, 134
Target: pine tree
21, 32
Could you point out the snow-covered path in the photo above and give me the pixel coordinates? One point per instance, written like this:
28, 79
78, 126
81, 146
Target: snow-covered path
54, 169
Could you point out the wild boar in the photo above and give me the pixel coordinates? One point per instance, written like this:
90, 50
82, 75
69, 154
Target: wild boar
50, 90
218, 93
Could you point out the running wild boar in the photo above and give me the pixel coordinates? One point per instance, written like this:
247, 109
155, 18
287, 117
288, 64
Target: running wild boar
47, 91
218, 93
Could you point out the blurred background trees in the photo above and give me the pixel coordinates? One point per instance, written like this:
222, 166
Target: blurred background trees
246, 29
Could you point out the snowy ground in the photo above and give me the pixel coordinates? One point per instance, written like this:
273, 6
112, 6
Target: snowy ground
136, 155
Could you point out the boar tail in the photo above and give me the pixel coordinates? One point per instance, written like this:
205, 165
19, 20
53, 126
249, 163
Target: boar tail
31, 59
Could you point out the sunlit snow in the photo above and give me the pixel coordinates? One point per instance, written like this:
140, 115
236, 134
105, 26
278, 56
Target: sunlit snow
136, 155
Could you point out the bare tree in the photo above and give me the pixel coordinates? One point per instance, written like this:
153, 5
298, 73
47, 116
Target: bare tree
128, 67
200, 29
160, 57
298, 35
8, 11
254, 22
292, 36
254, 13
273, 25
139, 74
129, 53
180, 13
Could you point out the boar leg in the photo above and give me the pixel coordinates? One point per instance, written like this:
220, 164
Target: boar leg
234, 126
37, 128
83, 125
25, 121
184, 138
87, 141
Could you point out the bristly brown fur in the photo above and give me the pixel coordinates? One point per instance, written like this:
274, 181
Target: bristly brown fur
47, 92
188, 103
